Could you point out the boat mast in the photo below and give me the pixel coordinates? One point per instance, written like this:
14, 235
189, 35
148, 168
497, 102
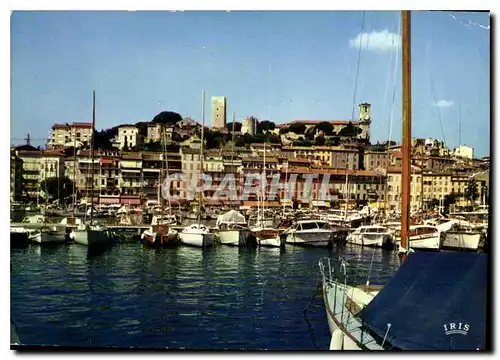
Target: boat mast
92, 159
263, 189
201, 151
166, 166
74, 170
406, 145
232, 155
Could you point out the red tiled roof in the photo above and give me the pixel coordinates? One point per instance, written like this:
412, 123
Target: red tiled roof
75, 124
82, 124
325, 170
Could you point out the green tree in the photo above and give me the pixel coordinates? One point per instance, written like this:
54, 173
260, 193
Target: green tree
471, 191
153, 146
319, 141
326, 127
167, 117
350, 130
237, 126
449, 200
297, 128
57, 188
265, 126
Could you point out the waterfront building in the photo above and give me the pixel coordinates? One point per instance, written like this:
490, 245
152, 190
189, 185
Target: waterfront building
375, 159
88, 169
337, 157
218, 112
16, 177
51, 165
65, 135
109, 175
437, 185
417, 191
30, 172
190, 166
130, 179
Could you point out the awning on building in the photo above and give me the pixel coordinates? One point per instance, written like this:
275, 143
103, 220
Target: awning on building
130, 201
108, 200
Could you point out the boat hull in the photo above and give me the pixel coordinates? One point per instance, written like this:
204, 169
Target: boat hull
196, 239
316, 238
92, 238
153, 239
236, 238
461, 240
271, 242
42, 237
371, 240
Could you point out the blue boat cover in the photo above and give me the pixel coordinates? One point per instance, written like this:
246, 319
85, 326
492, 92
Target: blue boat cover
435, 301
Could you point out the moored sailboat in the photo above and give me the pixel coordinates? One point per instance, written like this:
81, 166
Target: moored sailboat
90, 234
198, 234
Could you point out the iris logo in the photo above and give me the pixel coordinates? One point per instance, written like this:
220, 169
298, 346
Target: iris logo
454, 328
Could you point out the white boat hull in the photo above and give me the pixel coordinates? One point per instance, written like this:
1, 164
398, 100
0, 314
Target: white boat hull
42, 237
270, 242
424, 242
310, 238
336, 314
461, 240
91, 237
234, 237
197, 239
377, 240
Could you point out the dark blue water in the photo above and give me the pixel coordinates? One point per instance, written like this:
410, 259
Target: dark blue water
218, 298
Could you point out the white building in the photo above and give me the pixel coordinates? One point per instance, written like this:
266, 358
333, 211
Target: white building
127, 135
51, 166
65, 134
464, 151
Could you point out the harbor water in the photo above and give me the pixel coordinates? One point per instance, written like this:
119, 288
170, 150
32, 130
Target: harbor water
180, 298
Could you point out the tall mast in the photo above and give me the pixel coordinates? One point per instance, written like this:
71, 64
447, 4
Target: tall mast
406, 146
92, 159
164, 139
264, 181
74, 170
232, 154
201, 150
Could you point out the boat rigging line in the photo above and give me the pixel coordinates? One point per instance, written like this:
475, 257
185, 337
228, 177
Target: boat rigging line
357, 65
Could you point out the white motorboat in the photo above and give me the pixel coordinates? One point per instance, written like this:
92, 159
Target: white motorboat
268, 237
373, 235
310, 233
196, 235
463, 236
422, 237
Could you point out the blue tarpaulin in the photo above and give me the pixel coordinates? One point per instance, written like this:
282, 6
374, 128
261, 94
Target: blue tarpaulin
435, 301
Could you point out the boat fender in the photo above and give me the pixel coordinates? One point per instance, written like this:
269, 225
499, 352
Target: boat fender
337, 340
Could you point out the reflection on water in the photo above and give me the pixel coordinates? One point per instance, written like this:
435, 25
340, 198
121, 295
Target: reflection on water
214, 298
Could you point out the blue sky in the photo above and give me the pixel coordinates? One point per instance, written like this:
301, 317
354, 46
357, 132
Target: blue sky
281, 66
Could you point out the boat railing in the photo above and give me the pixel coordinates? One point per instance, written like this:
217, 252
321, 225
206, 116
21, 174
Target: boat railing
342, 271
